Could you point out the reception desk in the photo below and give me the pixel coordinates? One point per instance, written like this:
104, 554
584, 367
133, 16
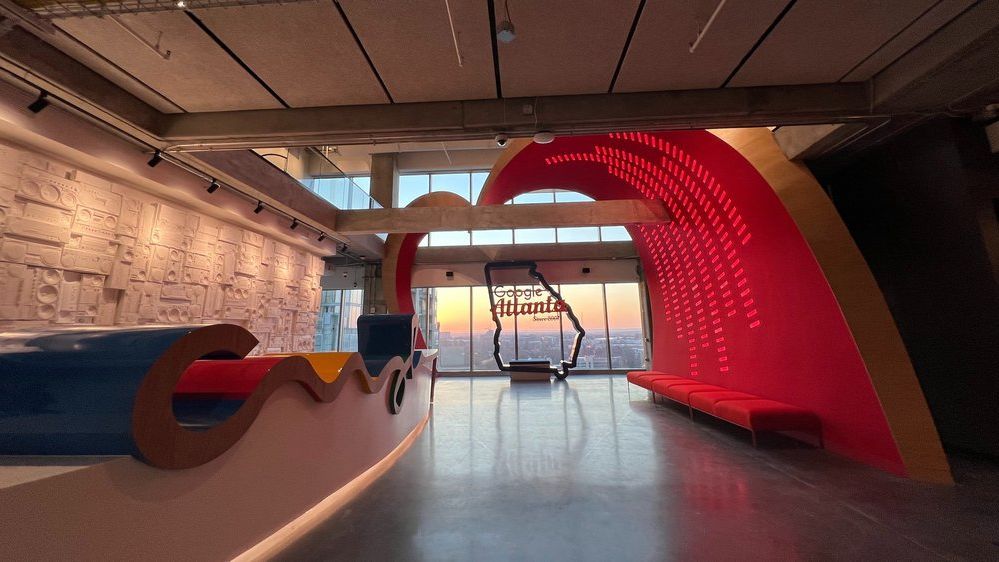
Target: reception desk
306, 442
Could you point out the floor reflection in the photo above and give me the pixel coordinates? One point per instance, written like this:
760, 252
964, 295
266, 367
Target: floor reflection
590, 469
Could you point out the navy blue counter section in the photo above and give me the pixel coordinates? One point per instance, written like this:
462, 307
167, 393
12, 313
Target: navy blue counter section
72, 391
380, 337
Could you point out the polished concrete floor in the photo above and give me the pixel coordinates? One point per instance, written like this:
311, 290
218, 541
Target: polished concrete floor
591, 469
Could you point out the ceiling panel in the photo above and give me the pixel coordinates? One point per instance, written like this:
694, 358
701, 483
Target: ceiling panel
821, 41
660, 59
563, 46
935, 18
410, 44
199, 76
303, 51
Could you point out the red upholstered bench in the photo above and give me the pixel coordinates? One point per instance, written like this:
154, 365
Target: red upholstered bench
661, 386
768, 415
738, 408
645, 379
705, 401
682, 393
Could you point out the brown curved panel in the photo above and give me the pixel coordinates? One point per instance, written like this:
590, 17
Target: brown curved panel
161, 441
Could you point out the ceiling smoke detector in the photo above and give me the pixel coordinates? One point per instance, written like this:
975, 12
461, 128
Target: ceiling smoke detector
505, 31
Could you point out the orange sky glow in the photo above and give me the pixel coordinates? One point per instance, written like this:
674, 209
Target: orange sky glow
624, 309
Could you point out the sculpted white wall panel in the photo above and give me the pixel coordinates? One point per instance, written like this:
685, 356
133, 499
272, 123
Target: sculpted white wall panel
78, 249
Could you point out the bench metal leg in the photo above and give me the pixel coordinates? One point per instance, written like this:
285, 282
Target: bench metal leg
754, 438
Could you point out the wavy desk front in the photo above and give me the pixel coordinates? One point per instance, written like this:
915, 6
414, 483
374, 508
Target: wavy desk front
261, 440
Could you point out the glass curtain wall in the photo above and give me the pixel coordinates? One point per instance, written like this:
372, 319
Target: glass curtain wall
461, 323
469, 185
336, 326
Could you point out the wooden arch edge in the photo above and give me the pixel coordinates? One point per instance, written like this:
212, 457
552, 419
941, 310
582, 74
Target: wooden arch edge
860, 299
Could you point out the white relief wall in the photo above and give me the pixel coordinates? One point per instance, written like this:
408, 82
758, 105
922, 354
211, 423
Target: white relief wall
77, 249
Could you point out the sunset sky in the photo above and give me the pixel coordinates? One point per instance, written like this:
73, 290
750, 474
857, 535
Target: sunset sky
623, 308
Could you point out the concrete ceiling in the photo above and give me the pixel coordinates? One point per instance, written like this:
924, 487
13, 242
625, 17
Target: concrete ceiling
563, 47
198, 76
820, 41
411, 47
323, 53
338, 74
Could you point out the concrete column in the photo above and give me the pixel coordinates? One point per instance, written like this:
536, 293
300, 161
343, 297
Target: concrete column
374, 296
385, 179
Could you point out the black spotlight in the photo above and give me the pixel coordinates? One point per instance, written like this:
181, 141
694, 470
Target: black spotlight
156, 159
294, 224
322, 236
258, 208
41, 103
214, 186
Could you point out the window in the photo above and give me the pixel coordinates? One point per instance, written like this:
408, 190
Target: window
478, 180
624, 325
458, 322
539, 336
614, 233
491, 237
578, 234
452, 183
411, 187
482, 333
469, 186
454, 315
534, 236
336, 326
587, 302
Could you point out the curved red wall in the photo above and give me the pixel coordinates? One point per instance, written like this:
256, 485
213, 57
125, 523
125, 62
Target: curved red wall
737, 297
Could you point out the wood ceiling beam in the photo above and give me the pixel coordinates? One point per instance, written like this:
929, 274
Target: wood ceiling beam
482, 119
487, 217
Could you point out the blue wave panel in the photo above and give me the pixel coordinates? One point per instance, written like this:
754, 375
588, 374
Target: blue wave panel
71, 391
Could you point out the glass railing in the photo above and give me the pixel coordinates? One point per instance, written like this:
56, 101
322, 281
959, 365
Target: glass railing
345, 192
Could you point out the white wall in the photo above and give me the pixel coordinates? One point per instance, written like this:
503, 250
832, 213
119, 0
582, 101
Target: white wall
79, 249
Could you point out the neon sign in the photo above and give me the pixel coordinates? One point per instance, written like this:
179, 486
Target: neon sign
527, 302
513, 302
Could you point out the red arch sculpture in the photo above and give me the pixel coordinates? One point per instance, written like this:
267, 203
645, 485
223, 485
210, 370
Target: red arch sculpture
738, 298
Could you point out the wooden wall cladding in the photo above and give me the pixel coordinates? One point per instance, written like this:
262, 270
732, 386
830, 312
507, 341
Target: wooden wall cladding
76, 249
